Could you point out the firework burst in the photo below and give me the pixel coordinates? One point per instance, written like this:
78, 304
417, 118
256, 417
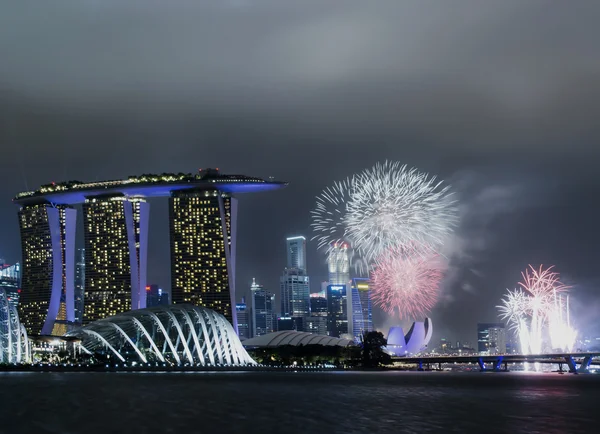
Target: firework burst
391, 206
537, 306
406, 284
329, 213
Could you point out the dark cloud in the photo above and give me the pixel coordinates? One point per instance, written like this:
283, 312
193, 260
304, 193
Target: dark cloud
500, 98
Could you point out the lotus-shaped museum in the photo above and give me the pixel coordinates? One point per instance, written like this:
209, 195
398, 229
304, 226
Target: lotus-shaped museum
178, 334
414, 342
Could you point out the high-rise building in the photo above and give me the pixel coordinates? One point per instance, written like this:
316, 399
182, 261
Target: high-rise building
318, 304
243, 318
295, 293
163, 298
316, 325
116, 218
263, 317
491, 338
48, 250
10, 281
116, 246
360, 318
296, 252
203, 228
79, 285
152, 295
337, 315
338, 264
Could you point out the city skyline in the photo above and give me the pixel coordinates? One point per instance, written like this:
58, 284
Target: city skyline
505, 118
428, 234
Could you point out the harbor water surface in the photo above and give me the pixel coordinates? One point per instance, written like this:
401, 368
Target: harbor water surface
328, 402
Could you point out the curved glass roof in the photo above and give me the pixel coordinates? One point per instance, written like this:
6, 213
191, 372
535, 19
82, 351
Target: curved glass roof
292, 337
179, 334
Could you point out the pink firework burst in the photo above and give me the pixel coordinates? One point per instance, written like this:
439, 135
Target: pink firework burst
543, 283
406, 284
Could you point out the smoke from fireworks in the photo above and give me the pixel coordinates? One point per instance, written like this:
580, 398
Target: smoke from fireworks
537, 306
406, 284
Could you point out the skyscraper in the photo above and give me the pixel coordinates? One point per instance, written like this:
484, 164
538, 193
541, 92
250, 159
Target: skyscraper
163, 298
262, 310
294, 283
295, 293
203, 228
491, 338
360, 319
318, 304
116, 218
48, 247
317, 321
152, 296
337, 310
79, 285
243, 319
116, 246
296, 252
338, 264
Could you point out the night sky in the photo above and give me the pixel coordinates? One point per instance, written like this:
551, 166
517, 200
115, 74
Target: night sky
500, 99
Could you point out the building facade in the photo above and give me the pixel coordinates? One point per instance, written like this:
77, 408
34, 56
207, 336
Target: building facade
316, 324
296, 252
263, 317
338, 264
360, 319
491, 338
202, 229
337, 310
295, 293
48, 267
318, 305
116, 249
243, 318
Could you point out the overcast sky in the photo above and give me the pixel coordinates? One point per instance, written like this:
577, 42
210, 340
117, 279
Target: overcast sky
501, 99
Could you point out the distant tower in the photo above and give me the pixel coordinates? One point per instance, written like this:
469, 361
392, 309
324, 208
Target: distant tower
203, 234
243, 319
262, 310
296, 252
337, 310
116, 248
338, 264
48, 249
360, 319
317, 322
152, 295
295, 293
295, 283
491, 338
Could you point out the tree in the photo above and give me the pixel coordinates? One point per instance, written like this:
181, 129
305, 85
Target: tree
372, 349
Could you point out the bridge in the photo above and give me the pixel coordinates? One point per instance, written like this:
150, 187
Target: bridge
576, 362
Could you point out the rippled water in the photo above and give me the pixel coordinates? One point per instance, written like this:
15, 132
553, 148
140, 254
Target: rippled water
345, 402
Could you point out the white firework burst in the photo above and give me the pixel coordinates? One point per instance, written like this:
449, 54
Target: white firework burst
329, 213
392, 206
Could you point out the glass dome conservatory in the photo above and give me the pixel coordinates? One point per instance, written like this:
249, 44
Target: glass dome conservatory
179, 334
14, 345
